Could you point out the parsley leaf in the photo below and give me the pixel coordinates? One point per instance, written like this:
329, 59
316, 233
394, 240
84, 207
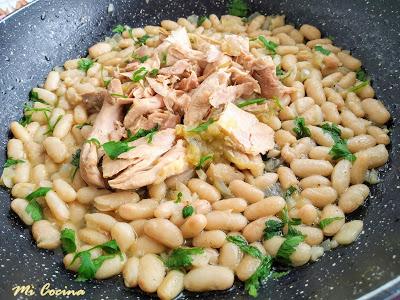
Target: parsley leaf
277, 102
34, 96
25, 120
288, 247
278, 70
202, 126
238, 8
80, 126
11, 162
187, 211
325, 222
142, 133
361, 75
201, 20
33, 208
272, 228
51, 127
203, 160
244, 246
89, 266
263, 271
251, 101
115, 148
142, 40
153, 72
182, 257
118, 95
94, 141
269, 45
290, 191
333, 130
75, 161
290, 222
139, 74
142, 59
85, 64
277, 275
300, 128
322, 50
68, 240
358, 87
340, 150
119, 29
179, 197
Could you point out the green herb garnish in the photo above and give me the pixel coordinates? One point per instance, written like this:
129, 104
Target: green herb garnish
139, 74
94, 141
273, 228
340, 150
300, 128
244, 246
34, 96
153, 72
68, 240
142, 133
202, 127
142, 59
251, 101
33, 208
269, 45
187, 211
263, 271
118, 95
203, 160
142, 40
333, 130
288, 247
179, 197
85, 64
182, 257
325, 222
115, 148
75, 162
164, 58
88, 267
358, 87
51, 127
11, 162
277, 102
322, 50
361, 75
201, 20
238, 8
290, 191
119, 29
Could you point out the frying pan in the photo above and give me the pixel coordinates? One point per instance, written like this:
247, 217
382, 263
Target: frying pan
46, 33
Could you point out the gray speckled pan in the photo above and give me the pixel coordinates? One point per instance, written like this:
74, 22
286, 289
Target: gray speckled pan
46, 33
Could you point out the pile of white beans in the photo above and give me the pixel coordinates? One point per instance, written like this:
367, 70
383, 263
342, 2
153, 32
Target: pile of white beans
144, 229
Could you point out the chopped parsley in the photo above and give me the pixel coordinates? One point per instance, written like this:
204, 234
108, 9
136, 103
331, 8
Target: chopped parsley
358, 87
149, 134
244, 246
290, 191
290, 223
153, 73
251, 101
238, 8
94, 141
119, 29
269, 45
51, 127
262, 272
203, 161
273, 228
361, 75
68, 240
142, 59
142, 40
11, 162
187, 211
300, 128
34, 96
85, 64
325, 222
118, 95
139, 74
202, 127
182, 257
288, 247
201, 20
322, 50
33, 208
115, 148
277, 102
75, 162
164, 58
179, 197
88, 267
339, 149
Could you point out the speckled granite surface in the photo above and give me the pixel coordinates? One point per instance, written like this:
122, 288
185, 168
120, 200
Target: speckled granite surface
47, 33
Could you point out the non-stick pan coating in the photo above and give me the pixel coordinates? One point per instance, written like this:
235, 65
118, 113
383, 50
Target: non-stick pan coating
47, 33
